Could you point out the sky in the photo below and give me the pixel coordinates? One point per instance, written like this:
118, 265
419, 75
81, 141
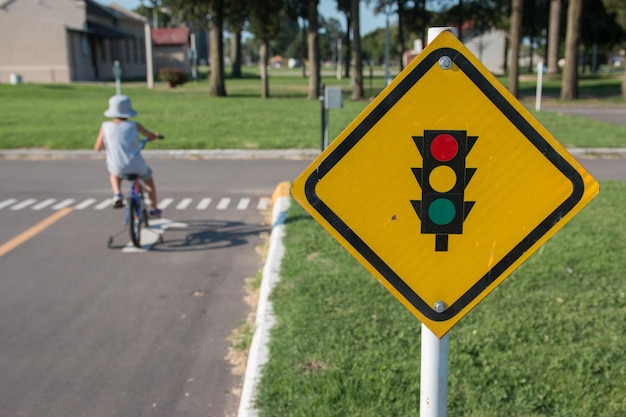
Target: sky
327, 8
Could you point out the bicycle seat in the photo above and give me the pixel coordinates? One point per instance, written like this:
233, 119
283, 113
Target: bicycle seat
130, 177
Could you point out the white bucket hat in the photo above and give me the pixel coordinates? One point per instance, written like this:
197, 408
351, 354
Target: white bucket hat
119, 106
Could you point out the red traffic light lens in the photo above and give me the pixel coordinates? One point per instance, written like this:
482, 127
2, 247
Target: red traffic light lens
444, 147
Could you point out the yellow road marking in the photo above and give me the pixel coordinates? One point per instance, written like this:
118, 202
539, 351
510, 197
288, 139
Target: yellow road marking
39, 227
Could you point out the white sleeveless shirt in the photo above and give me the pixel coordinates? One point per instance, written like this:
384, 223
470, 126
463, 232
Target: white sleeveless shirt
121, 143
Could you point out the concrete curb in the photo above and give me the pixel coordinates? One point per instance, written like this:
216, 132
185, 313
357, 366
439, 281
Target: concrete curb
45, 154
258, 354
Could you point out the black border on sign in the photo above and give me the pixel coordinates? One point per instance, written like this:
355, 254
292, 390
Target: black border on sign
514, 117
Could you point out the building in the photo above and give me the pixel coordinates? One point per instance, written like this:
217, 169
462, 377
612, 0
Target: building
489, 47
48, 41
171, 49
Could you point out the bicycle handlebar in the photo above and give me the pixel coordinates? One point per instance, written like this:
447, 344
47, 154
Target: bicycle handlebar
142, 144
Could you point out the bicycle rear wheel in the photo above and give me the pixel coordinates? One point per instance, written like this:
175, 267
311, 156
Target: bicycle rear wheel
134, 222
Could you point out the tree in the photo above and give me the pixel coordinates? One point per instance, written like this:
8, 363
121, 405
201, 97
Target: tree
236, 17
216, 35
554, 31
617, 8
345, 6
314, 60
517, 7
386, 6
569, 87
331, 35
534, 20
265, 23
599, 33
299, 10
480, 15
357, 90
197, 11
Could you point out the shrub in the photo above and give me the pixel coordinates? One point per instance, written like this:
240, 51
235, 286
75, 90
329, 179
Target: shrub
173, 76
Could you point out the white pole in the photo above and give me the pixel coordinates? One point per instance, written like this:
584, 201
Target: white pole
117, 73
194, 54
539, 82
434, 375
434, 370
339, 59
149, 64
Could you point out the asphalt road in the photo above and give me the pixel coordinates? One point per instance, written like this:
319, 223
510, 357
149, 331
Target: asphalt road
91, 331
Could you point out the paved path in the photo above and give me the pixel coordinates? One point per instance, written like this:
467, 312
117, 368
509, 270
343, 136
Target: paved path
614, 114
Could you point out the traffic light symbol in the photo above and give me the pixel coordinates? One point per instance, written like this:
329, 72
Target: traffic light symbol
443, 178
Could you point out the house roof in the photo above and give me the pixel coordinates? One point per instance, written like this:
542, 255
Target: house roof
126, 13
170, 36
107, 31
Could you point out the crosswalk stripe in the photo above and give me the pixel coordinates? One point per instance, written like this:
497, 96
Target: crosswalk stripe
24, 204
184, 203
164, 203
85, 204
203, 204
65, 203
264, 203
43, 204
7, 202
103, 204
243, 204
223, 204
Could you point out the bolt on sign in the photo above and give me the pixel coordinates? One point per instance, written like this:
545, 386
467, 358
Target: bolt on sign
443, 185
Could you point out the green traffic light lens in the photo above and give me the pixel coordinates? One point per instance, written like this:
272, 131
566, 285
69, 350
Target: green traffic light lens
441, 211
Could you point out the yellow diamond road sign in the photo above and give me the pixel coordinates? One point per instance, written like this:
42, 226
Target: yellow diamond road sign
443, 185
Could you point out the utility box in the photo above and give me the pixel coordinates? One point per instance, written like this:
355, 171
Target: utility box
15, 79
333, 97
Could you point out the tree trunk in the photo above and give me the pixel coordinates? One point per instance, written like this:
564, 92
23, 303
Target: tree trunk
400, 48
357, 90
235, 55
554, 28
314, 77
460, 20
624, 79
515, 38
624, 86
569, 89
263, 63
218, 88
303, 51
348, 47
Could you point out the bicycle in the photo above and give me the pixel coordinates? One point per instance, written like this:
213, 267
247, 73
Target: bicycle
135, 211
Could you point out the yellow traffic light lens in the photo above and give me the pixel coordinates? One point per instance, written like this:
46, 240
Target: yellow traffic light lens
442, 179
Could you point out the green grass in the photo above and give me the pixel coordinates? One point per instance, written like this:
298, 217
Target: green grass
58, 116
549, 341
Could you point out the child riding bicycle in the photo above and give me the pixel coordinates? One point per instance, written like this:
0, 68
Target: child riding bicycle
119, 138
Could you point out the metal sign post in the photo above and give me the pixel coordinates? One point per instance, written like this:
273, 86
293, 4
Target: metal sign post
434, 374
331, 98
